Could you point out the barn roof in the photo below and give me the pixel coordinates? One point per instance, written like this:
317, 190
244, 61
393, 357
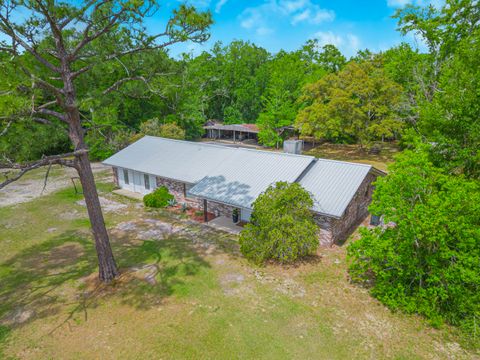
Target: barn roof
236, 176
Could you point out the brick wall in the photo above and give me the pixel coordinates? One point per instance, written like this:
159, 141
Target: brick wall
176, 188
331, 230
115, 175
338, 230
220, 209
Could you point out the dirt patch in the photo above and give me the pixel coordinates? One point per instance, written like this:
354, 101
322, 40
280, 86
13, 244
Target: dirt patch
27, 189
18, 316
285, 286
231, 283
106, 204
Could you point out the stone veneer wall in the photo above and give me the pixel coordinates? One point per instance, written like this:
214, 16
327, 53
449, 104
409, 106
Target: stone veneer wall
115, 175
331, 230
220, 209
338, 230
176, 188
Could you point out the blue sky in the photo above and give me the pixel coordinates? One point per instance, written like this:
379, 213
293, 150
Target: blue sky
286, 24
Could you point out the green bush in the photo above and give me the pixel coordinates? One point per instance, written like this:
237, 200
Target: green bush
282, 226
159, 198
427, 260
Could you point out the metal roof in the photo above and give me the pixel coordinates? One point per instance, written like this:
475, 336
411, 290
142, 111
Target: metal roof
174, 159
250, 128
333, 184
248, 173
237, 176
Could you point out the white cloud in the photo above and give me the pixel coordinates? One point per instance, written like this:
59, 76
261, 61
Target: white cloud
251, 18
401, 3
348, 44
322, 16
263, 16
301, 16
219, 5
398, 3
200, 4
327, 37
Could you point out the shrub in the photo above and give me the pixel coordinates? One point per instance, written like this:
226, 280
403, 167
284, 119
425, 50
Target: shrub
282, 226
427, 260
159, 198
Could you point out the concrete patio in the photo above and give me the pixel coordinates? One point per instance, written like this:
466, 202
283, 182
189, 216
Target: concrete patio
225, 224
129, 194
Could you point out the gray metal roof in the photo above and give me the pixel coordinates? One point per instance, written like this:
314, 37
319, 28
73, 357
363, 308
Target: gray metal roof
250, 128
237, 176
333, 184
248, 173
174, 159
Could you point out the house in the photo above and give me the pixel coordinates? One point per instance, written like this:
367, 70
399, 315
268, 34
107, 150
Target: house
219, 179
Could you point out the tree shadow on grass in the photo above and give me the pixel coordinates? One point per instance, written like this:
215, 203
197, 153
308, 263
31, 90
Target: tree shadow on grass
157, 269
29, 281
47, 279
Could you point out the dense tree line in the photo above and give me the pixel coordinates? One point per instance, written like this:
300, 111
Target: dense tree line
235, 83
426, 259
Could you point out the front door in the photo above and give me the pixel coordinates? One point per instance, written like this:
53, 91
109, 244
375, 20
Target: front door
245, 214
125, 179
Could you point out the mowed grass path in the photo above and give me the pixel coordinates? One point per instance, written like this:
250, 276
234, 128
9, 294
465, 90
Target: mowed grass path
187, 294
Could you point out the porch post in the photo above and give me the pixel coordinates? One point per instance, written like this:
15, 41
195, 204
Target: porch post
205, 213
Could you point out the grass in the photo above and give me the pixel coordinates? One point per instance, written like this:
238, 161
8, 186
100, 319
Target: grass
355, 154
203, 300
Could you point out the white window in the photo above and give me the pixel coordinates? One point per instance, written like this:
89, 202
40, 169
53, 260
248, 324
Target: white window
125, 176
146, 178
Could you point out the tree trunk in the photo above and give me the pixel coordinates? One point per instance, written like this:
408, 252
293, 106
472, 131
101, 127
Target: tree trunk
106, 263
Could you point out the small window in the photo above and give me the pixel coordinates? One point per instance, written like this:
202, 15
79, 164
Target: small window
125, 176
147, 181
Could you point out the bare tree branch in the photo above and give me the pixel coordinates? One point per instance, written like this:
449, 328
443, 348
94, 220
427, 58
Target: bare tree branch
62, 159
7, 28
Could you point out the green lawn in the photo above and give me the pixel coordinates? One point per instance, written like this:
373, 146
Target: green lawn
185, 294
355, 154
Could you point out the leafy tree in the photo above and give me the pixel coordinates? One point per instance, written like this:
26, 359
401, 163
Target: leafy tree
62, 56
331, 59
288, 73
282, 226
426, 259
357, 104
448, 108
155, 127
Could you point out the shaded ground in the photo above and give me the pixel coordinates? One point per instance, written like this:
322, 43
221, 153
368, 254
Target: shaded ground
31, 185
184, 292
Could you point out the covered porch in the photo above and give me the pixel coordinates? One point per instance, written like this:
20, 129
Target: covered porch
226, 224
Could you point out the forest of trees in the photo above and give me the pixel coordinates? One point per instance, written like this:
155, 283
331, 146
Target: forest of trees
235, 83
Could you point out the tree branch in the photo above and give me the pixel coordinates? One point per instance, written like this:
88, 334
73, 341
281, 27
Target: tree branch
6, 28
45, 161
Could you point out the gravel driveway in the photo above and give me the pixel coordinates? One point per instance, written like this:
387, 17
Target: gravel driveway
29, 188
